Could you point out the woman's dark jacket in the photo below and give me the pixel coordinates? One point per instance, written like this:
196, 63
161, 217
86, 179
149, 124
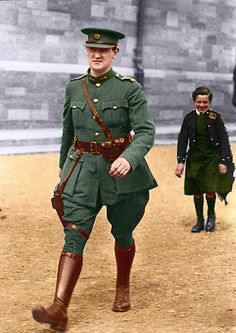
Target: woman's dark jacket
218, 136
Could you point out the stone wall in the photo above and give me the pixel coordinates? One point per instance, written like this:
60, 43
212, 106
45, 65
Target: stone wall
186, 43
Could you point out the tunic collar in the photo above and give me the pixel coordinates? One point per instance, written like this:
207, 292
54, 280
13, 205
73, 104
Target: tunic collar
199, 113
100, 79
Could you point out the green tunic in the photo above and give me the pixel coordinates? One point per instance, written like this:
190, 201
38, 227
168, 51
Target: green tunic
123, 107
202, 173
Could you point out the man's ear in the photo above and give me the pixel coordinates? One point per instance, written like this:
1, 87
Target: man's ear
116, 51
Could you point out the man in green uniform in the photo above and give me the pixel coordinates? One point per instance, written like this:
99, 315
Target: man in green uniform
120, 180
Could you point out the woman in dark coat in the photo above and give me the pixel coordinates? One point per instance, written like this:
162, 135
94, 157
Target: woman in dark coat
209, 162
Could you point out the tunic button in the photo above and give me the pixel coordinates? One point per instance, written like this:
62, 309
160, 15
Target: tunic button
209, 125
98, 84
95, 100
114, 107
97, 134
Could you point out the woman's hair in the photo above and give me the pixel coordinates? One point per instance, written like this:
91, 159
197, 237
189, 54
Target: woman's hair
202, 91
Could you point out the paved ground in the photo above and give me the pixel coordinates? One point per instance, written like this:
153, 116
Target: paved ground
181, 282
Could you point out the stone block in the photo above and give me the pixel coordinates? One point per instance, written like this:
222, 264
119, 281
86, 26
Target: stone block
3, 112
230, 3
98, 10
186, 86
28, 55
52, 40
78, 9
128, 13
18, 114
15, 91
184, 6
8, 13
26, 19
51, 20
126, 62
37, 4
40, 114
207, 51
170, 114
109, 12
172, 19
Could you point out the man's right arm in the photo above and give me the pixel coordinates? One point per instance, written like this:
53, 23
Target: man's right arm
68, 129
182, 143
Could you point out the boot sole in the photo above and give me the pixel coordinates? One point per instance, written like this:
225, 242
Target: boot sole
40, 315
127, 308
210, 230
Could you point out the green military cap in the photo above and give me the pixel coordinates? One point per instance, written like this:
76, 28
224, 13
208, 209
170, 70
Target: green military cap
102, 38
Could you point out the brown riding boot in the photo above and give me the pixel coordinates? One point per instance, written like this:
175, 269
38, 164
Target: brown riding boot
69, 269
124, 259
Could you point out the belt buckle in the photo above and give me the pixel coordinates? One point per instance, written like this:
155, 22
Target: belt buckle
94, 148
74, 144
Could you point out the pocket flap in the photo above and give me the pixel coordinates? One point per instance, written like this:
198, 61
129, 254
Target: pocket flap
123, 103
72, 154
77, 104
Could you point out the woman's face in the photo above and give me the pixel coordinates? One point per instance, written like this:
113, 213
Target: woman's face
202, 103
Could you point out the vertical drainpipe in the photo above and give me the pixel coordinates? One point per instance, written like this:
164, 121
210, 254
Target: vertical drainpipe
138, 51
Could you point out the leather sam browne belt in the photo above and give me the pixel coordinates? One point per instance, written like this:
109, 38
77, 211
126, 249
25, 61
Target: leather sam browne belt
109, 149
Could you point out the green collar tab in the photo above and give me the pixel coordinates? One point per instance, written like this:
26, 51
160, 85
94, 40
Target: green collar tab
102, 78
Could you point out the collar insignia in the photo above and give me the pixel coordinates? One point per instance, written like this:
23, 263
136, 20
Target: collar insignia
212, 115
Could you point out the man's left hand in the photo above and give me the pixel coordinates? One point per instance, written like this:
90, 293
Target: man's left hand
120, 167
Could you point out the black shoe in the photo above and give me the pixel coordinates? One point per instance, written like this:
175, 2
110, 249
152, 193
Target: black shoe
211, 223
198, 227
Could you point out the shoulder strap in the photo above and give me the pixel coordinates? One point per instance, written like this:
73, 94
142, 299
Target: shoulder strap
96, 115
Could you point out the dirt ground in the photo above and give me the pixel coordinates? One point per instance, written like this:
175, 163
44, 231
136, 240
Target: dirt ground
181, 282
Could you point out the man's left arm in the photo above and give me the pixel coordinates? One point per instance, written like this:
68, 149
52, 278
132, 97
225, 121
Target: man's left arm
224, 145
141, 123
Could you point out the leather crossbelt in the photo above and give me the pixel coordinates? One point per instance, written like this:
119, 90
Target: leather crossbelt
96, 115
110, 149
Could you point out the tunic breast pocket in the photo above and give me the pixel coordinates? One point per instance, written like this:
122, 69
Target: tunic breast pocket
115, 112
78, 113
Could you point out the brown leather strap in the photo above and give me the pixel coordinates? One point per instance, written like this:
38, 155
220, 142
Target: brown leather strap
77, 229
96, 115
99, 148
60, 189
101, 43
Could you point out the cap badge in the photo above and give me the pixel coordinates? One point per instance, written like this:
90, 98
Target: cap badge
97, 36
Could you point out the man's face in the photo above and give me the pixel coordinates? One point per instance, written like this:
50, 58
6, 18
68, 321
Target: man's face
202, 103
100, 60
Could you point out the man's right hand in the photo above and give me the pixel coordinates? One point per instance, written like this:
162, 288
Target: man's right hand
179, 170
